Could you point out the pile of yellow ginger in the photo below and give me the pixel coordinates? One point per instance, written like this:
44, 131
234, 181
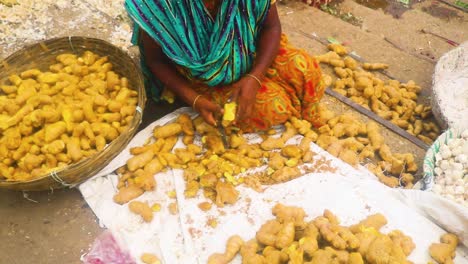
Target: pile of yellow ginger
347, 137
290, 239
50, 119
211, 167
391, 100
216, 170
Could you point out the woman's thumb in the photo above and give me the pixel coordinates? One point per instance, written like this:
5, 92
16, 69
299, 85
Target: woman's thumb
211, 120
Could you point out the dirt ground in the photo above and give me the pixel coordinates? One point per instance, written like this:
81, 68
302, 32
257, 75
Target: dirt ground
58, 226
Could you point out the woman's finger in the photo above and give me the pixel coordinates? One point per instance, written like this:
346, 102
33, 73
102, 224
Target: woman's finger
241, 110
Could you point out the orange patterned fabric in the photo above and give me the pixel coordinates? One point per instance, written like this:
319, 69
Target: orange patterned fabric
292, 87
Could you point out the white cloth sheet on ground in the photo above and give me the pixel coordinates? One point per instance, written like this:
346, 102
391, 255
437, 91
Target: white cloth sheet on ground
350, 193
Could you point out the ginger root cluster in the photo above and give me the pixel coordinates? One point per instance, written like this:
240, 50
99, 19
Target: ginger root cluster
350, 139
289, 238
389, 99
210, 167
51, 119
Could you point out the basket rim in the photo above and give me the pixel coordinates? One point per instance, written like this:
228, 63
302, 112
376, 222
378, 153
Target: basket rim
52, 40
5, 184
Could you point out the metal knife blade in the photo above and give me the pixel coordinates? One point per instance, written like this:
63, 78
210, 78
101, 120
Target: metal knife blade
222, 131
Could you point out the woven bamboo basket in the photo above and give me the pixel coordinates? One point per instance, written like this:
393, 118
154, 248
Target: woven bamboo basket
41, 55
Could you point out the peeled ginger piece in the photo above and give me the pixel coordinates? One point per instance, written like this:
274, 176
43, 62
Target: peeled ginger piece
148, 258
229, 113
127, 194
233, 246
168, 130
141, 209
444, 252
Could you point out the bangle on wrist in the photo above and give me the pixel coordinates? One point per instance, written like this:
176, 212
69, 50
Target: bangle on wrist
195, 101
256, 78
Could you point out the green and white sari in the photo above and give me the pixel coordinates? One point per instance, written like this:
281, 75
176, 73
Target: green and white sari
215, 51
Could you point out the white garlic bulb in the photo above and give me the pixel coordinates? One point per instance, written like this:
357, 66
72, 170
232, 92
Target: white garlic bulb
449, 180
453, 143
465, 147
457, 166
462, 158
444, 165
460, 182
451, 170
459, 190
444, 148
457, 151
446, 154
457, 174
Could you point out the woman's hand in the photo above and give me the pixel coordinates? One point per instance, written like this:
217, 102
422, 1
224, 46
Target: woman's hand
208, 110
244, 93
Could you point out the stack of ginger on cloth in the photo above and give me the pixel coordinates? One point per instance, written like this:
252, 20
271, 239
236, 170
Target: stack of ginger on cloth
210, 167
290, 239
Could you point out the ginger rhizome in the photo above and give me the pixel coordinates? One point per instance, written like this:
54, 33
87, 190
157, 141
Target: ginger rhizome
141, 209
149, 258
444, 252
290, 238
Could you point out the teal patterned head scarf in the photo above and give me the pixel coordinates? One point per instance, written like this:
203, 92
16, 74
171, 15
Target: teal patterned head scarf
215, 51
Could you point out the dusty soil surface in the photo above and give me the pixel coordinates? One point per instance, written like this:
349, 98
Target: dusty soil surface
58, 227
